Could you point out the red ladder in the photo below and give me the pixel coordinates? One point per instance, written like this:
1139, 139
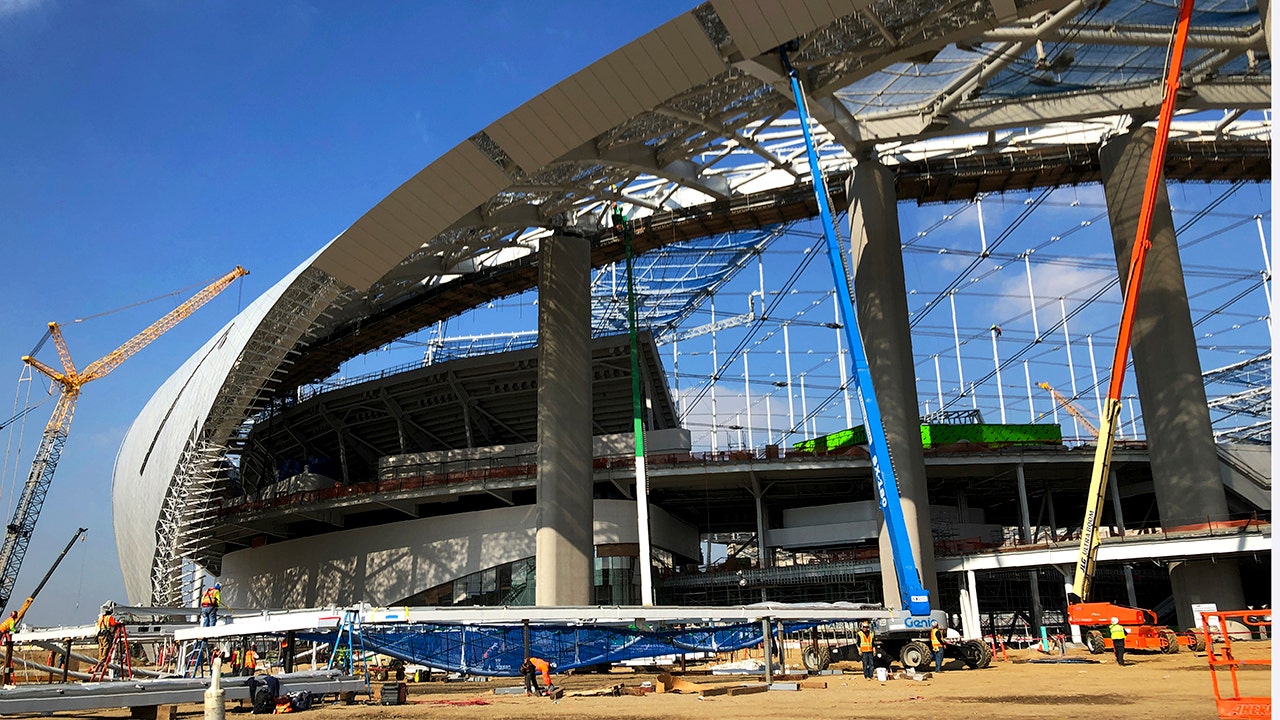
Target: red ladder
119, 646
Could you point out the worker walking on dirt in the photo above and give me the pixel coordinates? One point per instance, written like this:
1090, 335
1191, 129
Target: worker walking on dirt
1117, 632
209, 602
867, 646
937, 644
530, 669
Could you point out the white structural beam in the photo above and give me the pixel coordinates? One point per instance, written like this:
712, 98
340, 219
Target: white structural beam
1200, 38
1159, 547
1042, 110
326, 619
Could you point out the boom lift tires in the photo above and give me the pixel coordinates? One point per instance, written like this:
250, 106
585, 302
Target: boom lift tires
976, 654
1095, 642
816, 659
914, 655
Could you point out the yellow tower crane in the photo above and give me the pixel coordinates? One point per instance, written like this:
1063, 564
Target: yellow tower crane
70, 381
1071, 407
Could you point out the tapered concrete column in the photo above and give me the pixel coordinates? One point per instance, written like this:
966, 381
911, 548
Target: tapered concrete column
1184, 460
1264, 12
881, 296
565, 553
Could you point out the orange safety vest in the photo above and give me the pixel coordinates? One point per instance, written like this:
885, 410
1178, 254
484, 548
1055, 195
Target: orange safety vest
542, 666
106, 623
6, 627
866, 638
935, 638
250, 660
211, 598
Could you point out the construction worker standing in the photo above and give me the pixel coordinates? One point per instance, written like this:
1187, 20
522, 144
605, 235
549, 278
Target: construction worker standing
209, 602
866, 646
250, 663
937, 644
107, 624
1117, 632
8, 626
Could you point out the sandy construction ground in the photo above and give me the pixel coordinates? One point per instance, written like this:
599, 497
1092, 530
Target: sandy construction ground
1155, 686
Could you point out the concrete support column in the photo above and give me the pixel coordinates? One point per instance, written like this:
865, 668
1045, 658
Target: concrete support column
565, 552
1184, 459
881, 296
1024, 510
762, 546
971, 583
1264, 12
1114, 485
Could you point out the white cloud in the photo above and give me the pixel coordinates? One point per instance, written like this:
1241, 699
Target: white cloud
1051, 281
13, 7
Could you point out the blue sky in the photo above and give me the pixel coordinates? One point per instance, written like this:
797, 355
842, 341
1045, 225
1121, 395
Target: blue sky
151, 146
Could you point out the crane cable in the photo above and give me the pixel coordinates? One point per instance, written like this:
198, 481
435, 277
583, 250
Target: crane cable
8, 477
130, 306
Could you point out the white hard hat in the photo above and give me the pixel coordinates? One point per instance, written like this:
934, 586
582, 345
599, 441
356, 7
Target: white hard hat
1115, 621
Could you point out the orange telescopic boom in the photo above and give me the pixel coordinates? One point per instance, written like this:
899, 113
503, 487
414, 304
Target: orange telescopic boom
1142, 242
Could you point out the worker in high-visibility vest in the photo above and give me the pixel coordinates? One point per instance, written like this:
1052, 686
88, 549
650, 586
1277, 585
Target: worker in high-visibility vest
209, 602
107, 624
8, 626
937, 644
530, 669
250, 663
867, 647
1117, 632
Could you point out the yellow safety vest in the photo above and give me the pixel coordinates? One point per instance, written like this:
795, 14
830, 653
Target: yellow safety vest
1117, 632
865, 640
935, 638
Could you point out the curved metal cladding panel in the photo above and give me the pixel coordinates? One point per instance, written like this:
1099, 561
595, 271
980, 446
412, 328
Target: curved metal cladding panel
154, 443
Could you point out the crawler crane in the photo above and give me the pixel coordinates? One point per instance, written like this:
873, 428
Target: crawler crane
69, 382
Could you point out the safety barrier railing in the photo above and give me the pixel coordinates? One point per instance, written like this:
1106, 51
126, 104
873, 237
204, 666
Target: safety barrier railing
1221, 630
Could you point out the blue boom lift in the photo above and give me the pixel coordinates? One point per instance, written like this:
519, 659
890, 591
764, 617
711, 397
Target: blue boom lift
902, 636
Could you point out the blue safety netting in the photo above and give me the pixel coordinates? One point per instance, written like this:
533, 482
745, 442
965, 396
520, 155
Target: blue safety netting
498, 650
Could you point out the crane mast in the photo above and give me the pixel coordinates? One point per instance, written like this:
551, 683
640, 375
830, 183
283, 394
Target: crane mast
70, 381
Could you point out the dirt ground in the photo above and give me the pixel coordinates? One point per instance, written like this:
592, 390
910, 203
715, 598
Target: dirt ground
1155, 686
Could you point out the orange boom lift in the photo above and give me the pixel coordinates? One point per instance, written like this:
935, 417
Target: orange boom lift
1144, 633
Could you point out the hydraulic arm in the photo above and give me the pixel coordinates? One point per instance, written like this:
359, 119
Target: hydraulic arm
915, 598
70, 381
1088, 553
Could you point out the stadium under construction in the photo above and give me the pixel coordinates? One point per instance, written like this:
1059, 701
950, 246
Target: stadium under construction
292, 461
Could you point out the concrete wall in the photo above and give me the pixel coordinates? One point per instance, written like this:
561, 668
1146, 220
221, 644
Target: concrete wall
384, 564
843, 523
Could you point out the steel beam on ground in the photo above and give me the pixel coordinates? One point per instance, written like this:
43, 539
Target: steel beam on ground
168, 691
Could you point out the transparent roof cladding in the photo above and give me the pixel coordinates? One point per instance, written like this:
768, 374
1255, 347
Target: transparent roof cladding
1111, 45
